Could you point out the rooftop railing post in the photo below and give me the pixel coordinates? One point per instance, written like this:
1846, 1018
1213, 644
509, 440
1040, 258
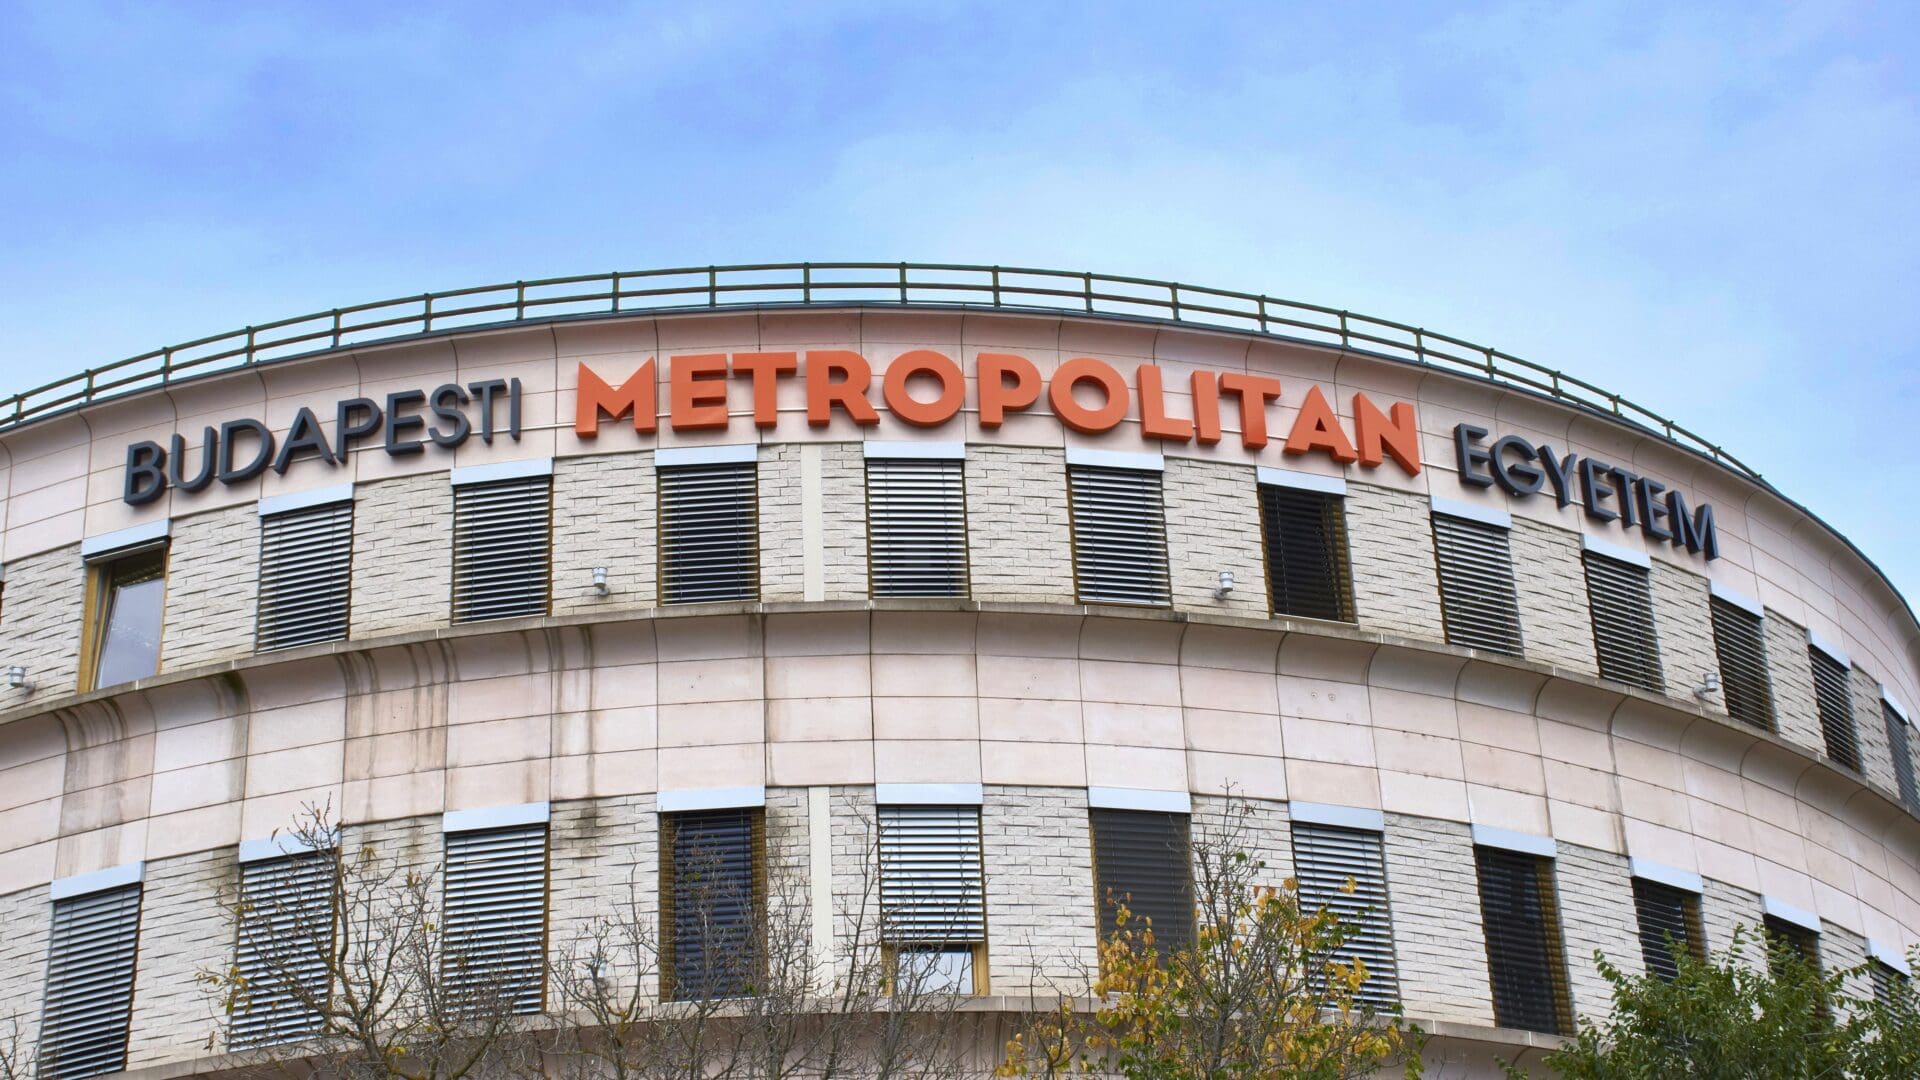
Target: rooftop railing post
1173, 297
615, 302
806, 283
426, 313
996, 286
903, 283
1345, 340
336, 328
249, 345
1263, 316
1086, 286
713, 286
519, 300
166, 364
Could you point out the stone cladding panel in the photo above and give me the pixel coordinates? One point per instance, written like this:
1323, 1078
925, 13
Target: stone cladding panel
1595, 890
1396, 586
1039, 866
402, 557
1681, 619
28, 914
782, 573
213, 574
1019, 533
1213, 524
184, 929
1870, 724
1790, 669
604, 509
843, 519
1437, 937
604, 860
41, 615
1550, 578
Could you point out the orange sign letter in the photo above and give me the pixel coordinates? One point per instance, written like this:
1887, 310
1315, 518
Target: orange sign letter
996, 394
1317, 428
765, 368
696, 398
1154, 421
1254, 391
1072, 413
953, 388
849, 391
639, 395
1399, 437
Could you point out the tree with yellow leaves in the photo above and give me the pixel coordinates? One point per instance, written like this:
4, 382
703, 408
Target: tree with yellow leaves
1261, 990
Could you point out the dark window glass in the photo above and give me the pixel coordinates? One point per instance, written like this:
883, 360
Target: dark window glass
132, 590
496, 901
1668, 917
1524, 961
712, 897
1478, 603
1889, 986
1620, 595
1119, 536
1346, 870
709, 533
306, 563
1785, 938
286, 930
1740, 644
917, 526
89, 998
1834, 699
1899, 743
502, 548
1141, 859
1306, 545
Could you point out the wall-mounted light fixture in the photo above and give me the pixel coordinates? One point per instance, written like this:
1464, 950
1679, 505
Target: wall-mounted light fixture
600, 581
1226, 584
1709, 685
17, 679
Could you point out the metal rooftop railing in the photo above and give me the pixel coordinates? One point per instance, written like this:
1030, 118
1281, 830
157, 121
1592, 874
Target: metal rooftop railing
710, 288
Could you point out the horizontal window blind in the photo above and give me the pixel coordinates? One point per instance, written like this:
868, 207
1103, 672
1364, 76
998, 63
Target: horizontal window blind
1478, 603
711, 894
1889, 986
502, 548
496, 914
1119, 536
1901, 747
917, 526
1834, 700
932, 884
1305, 535
1784, 938
1620, 596
1668, 917
1325, 859
1740, 644
1524, 960
1142, 859
89, 999
286, 931
306, 564
709, 533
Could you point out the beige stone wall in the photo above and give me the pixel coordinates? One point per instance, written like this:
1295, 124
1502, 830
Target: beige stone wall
1596, 915
1686, 634
783, 551
1795, 714
1019, 538
1550, 581
402, 576
1870, 723
1038, 852
213, 588
184, 931
842, 470
1438, 940
1396, 584
1213, 524
603, 515
40, 620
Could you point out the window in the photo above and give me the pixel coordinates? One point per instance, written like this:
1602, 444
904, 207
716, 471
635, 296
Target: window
1305, 534
933, 895
1119, 536
712, 899
1740, 644
1142, 859
124, 601
1668, 917
1620, 596
1786, 938
1346, 870
286, 931
89, 1001
306, 562
1520, 913
1835, 702
502, 547
496, 915
709, 532
916, 525
1889, 984
1899, 745
1478, 603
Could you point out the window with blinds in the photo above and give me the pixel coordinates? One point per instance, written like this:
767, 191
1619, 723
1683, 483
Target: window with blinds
933, 893
286, 930
1668, 918
1305, 534
495, 937
712, 896
1478, 604
916, 526
502, 548
1834, 700
1119, 536
709, 533
1520, 914
1786, 939
1899, 744
1620, 596
1889, 986
1142, 860
89, 998
306, 564
1326, 859
1739, 641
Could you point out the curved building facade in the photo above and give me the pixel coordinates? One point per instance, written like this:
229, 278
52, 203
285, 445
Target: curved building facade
1036, 571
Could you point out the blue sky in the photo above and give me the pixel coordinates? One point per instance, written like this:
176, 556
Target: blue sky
1714, 209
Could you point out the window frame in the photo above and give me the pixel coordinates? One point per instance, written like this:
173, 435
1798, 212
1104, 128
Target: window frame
1330, 496
1469, 520
477, 482
98, 605
1552, 934
448, 920
1332, 830
1833, 706
892, 948
743, 457
1091, 464
668, 825
280, 516
1654, 952
1620, 612
939, 455
1105, 910
1738, 617
50, 1068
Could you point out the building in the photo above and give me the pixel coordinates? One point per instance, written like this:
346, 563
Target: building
1012, 552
